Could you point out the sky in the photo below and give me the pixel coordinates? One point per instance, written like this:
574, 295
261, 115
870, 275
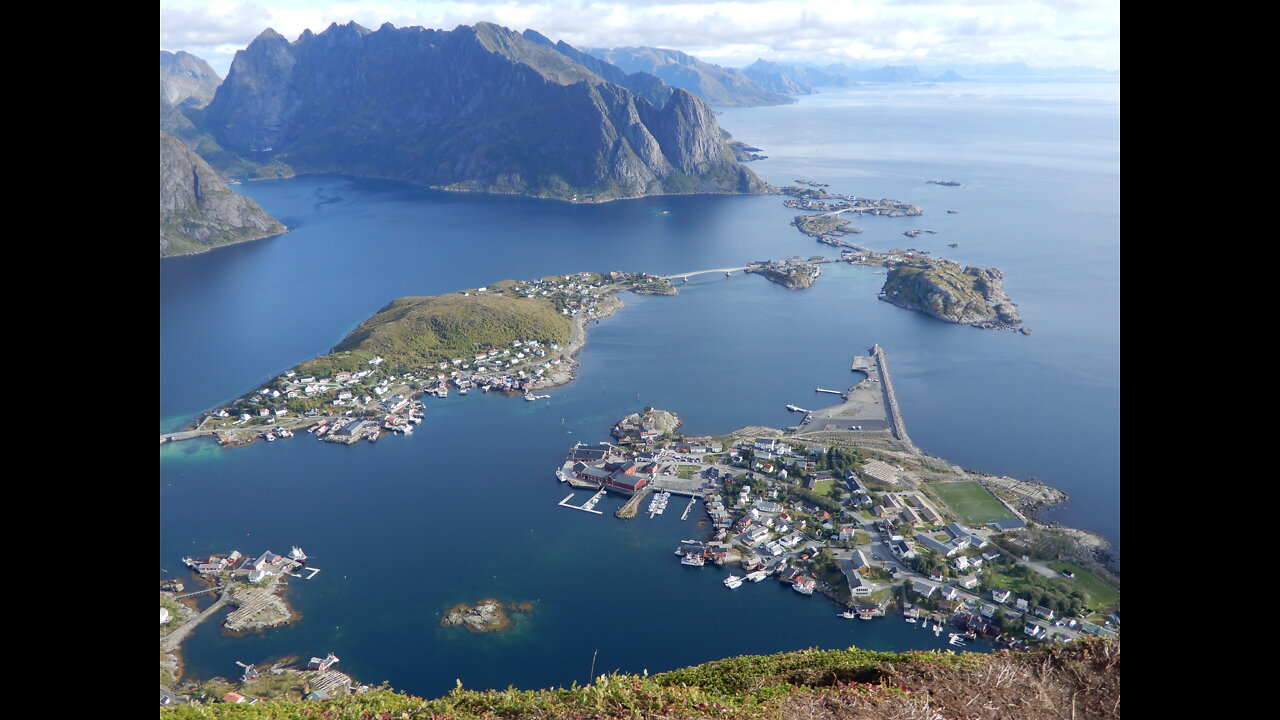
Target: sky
1040, 33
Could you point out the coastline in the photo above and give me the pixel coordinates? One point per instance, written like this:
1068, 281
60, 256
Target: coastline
287, 230
567, 372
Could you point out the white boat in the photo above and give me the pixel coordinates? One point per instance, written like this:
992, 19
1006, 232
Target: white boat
848, 614
297, 554
694, 560
911, 619
758, 575
733, 582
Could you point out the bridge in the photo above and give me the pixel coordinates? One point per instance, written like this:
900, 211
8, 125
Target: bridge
703, 272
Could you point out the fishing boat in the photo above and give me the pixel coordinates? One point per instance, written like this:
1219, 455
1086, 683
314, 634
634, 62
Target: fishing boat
693, 560
848, 614
733, 582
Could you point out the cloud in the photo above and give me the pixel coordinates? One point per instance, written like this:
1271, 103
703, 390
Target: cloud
1035, 31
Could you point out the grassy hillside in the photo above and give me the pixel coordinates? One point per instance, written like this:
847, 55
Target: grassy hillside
1077, 680
413, 332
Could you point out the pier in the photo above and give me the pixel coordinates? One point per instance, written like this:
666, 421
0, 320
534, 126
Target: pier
685, 515
588, 506
824, 390
632, 506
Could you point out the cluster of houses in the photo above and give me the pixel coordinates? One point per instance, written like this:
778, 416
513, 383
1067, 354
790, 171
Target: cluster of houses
773, 536
817, 199
513, 369
256, 569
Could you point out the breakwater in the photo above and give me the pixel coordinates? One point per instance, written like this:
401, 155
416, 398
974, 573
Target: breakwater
891, 400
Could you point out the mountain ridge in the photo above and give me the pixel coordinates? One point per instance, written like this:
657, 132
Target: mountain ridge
479, 108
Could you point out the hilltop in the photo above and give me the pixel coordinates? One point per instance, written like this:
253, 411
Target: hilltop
1081, 679
412, 332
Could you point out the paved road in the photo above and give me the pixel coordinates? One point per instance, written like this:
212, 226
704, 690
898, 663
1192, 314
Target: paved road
170, 642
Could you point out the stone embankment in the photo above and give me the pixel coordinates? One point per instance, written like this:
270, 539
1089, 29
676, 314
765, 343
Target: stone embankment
891, 401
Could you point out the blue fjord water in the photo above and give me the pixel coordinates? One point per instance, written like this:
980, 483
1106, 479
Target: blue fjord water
466, 506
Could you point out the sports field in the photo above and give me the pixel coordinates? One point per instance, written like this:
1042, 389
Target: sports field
973, 503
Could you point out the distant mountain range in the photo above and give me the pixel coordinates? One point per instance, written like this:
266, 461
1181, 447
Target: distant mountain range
724, 87
477, 108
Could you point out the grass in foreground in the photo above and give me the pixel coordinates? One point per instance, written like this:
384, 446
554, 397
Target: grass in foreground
853, 684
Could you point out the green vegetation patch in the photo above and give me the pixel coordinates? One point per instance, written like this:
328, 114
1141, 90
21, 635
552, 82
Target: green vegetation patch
413, 332
971, 502
1101, 595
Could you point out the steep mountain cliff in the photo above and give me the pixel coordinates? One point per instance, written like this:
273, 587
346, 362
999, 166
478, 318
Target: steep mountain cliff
197, 210
477, 108
723, 87
185, 78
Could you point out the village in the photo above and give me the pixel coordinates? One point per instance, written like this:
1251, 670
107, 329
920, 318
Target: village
365, 404
835, 519
254, 586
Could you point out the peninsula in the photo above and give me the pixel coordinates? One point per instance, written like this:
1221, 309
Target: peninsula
846, 506
511, 337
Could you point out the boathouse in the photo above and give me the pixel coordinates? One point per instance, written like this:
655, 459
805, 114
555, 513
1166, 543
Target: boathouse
623, 483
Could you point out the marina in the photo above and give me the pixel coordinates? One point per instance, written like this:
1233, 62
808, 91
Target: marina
588, 506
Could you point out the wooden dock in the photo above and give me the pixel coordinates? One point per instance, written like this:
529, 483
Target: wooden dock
684, 515
588, 506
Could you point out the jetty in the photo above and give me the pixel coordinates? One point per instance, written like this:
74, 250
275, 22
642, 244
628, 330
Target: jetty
869, 408
891, 400
685, 515
588, 506
632, 506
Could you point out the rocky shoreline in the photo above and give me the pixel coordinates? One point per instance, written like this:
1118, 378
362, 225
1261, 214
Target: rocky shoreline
793, 276
566, 371
941, 289
488, 615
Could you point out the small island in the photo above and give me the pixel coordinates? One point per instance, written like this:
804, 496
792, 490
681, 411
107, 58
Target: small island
792, 274
942, 289
488, 615
816, 226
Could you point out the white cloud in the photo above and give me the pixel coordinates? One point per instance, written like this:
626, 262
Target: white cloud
1038, 32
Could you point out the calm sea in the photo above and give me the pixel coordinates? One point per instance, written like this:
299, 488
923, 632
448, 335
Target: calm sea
466, 506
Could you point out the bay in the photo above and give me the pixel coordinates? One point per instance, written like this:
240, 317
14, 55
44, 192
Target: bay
465, 507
